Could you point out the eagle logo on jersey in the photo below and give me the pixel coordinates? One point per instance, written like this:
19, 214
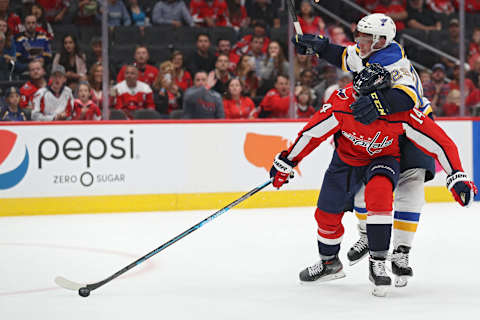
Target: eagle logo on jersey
341, 94
371, 144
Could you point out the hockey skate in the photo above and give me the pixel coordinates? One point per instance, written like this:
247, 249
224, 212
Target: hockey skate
379, 277
400, 267
324, 270
359, 250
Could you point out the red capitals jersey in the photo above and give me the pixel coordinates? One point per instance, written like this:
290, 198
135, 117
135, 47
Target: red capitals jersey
357, 144
27, 91
131, 99
147, 75
92, 111
216, 10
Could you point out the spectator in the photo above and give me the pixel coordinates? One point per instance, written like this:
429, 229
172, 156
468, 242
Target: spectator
173, 12
31, 45
55, 10
223, 46
7, 61
441, 6
146, 72
263, 10
328, 77
72, 60
166, 96
474, 73
303, 102
55, 101
117, 14
236, 105
237, 15
209, 13
420, 17
276, 102
95, 77
301, 63
220, 75
42, 23
306, 81
455, 82
182, 77
83, 107
451, 44
273, 65
12, 111
37, 81
245, 45
132, 94
338, 37
12, 19
9, 41
94, 55
86, 12
397, 12
451, 108
139, 18
425, 76
308, 21
344, 79
246, 74
257, 52
437, 89
199, 102
474, 48
202, 58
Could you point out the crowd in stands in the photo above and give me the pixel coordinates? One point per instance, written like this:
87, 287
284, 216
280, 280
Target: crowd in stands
206, 58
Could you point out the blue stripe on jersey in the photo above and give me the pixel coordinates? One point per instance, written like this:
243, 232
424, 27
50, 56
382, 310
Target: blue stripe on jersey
360, 210
387, 56
409, 216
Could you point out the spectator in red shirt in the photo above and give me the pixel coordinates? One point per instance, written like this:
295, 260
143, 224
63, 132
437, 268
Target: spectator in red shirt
237, 15
83, 107
308, 21
303, 102
397, 12
147, 72
12, 19
244, 46
55, 10
245, 72
182, 77
37, 81
276, 102
235, 105
132, 94
209, 13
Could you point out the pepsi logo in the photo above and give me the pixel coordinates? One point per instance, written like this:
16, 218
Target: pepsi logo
14, 159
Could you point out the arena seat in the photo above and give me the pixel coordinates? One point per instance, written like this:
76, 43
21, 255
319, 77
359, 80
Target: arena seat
117, 115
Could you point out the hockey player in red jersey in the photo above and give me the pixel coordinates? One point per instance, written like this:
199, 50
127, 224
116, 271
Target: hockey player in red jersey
366, 154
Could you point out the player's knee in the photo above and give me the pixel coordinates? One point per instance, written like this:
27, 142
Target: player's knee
329, 224
409, 194
379, 194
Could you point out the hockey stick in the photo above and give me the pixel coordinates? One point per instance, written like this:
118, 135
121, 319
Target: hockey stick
296, 24
84, 289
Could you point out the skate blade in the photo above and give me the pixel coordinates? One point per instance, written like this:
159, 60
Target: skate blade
351, 263
401, 281
330, 277
380, 291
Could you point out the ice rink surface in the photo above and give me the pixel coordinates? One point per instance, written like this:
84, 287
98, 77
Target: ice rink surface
242, 265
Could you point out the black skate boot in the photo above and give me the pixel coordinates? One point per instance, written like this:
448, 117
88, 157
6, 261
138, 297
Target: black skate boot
400, 267
359, 250
379, 277
324, 270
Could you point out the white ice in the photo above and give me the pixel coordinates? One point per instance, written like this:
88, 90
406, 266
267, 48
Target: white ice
242, 265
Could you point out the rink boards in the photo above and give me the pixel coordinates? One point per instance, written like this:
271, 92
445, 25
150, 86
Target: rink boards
55, 168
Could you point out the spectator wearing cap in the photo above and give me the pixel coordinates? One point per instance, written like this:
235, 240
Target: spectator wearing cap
451, 44
209, 13
199, 102
202, 59
12, 111
37, 81
132, 94
436, 90
54, 102
146, 72
12, 19
420, 17
31, 45
172, 12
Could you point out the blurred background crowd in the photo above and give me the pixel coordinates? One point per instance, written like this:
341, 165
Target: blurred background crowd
204, 59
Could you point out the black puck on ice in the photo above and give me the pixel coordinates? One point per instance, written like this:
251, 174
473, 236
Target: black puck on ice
84, 292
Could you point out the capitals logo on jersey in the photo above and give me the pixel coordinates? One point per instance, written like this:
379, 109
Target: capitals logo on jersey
370, 144
14, 159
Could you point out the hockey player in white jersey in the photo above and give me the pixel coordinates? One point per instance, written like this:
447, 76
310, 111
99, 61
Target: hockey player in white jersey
374, 44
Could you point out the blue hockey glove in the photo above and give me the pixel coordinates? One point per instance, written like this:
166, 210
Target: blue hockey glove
282, 169
462, 188
317, 42
368, 108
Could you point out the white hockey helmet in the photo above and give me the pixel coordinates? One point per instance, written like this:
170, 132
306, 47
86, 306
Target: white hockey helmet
378, 25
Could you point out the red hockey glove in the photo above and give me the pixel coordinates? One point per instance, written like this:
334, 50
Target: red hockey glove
462, 188
281, 170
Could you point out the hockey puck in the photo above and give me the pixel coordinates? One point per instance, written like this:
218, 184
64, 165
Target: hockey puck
84, 292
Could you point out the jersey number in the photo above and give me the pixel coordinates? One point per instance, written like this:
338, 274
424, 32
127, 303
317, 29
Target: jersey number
418, 116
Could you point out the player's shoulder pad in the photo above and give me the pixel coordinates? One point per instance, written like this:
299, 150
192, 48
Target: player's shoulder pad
389, 55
